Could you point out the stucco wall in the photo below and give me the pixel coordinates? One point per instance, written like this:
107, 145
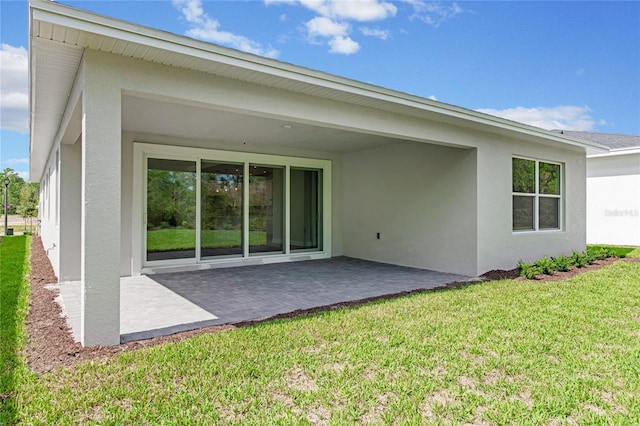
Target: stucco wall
421, 199
498, 246
47, 212
70, 211
613, 200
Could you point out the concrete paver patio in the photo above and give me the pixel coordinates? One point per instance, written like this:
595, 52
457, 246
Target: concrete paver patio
162, 304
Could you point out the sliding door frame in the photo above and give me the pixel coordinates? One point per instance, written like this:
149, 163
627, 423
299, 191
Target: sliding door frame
144, 151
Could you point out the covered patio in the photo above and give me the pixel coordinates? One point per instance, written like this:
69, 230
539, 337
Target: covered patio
164, 304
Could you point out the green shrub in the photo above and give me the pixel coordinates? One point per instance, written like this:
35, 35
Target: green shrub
562, 263
528, 270
600, 253
591, 256
579, 259
545, 265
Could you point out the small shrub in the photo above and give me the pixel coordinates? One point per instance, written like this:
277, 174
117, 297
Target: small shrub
528, 270
562, 263
579, 259
591, 256
602, 253
545, 265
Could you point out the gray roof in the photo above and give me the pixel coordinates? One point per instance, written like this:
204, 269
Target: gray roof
612, 140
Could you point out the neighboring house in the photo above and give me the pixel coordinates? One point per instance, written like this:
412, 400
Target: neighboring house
613, 189
156, 152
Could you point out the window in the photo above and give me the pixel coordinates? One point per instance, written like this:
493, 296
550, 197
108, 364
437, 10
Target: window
537, 195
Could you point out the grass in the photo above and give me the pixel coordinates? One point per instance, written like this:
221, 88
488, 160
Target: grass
19, 229
184, 239
502, 352
14, 292
619, 251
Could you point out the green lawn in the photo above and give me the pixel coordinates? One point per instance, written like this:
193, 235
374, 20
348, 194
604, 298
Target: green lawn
184, 239
618, 250
14, 296
503, 352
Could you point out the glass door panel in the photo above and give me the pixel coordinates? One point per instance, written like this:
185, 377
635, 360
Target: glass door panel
171, 209
221, 209
266, 209
306, 209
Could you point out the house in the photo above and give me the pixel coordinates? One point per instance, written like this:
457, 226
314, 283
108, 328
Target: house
613, 189
156, 152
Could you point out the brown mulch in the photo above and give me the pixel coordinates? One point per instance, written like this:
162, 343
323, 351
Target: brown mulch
513, 274
50, 344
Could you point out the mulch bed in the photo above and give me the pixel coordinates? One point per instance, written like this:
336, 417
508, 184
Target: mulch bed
50, 344
513, 274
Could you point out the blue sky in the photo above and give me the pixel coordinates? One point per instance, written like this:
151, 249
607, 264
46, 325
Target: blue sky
572, 65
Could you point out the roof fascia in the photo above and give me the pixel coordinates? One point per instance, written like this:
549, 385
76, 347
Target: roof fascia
31, 94
617, 152
114, 28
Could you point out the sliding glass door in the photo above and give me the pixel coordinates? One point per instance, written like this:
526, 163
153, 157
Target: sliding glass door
209, 208
171, 209
266, 209
306, 209
221, 197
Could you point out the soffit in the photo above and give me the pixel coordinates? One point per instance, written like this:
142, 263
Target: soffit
182, 121
53, 72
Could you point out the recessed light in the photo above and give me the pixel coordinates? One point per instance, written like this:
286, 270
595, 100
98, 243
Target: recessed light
287, 126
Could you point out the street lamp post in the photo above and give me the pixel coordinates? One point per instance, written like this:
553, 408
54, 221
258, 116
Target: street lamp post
6, 199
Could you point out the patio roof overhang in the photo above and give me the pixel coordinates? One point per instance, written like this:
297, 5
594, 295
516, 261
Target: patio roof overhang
58, 36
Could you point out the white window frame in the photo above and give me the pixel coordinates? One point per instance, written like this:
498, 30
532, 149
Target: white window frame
537, 195
143, 151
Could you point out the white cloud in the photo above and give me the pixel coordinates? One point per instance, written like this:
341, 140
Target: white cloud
334, 16
566, 117
433, 98
24, 175
206, 28
371, 32
433, 13
14, 161
339, 42
325, 27
14, 88
343, 45
353, 10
